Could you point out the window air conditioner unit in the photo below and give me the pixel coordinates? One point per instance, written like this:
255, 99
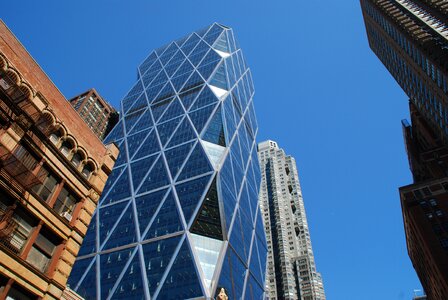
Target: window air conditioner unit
67, 215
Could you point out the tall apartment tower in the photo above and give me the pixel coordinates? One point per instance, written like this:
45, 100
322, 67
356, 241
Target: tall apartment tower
180, 218
99, 115
291, 270
410, 37
52, 171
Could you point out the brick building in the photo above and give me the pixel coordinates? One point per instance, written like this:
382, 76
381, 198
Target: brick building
52, 171
99, 115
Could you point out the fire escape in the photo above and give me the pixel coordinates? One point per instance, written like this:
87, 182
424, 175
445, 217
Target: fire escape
17, 168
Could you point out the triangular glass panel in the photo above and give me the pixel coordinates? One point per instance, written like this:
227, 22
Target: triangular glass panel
190, 195
213, 34
188, 97
172, 67
190, 44
160, 79
248, 124
236, 151
230, 119
139, 104
226, 174
214, 153
253, 118
179, 81
208, 220
262, 252
116, 172
156, 178
186, 67
166, 129
152, 91
131, 284
158, 255
215, 131
121, 159
173, 111
149, 146
175, 157
128, 101
169, 52
236, 104
152, 73
175, 60
182, 282
255, 261
108, 217
205, 98
192, 82
112, 265
147, 206
196, 164
148, 62
124, 232
219, 79
167, 220
120, 190
166, 92
245, 202
87, 288
232, 276
238, 172
245, 152
159, 108
253, 289
243, 96
130, 120
116, 133
135, 140
207, 70
230, 72
139, 169
207, 251
144, 122
229, 204
89, 242
211, 58
80, 267
184, 132
198, 53
200, 117
137, 89
221, 43
237, 237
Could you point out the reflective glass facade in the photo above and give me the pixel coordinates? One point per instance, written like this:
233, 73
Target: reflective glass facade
179, 216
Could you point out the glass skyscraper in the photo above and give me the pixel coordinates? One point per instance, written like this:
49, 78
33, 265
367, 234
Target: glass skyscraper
179, 216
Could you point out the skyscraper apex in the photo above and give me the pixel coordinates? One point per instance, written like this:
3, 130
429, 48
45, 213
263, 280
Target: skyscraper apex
179, 218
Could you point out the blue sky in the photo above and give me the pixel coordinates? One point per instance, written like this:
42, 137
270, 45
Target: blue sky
320, 93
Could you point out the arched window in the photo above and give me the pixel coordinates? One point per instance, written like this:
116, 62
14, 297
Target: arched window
55, 136
65, 148
76, 159
87, 170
